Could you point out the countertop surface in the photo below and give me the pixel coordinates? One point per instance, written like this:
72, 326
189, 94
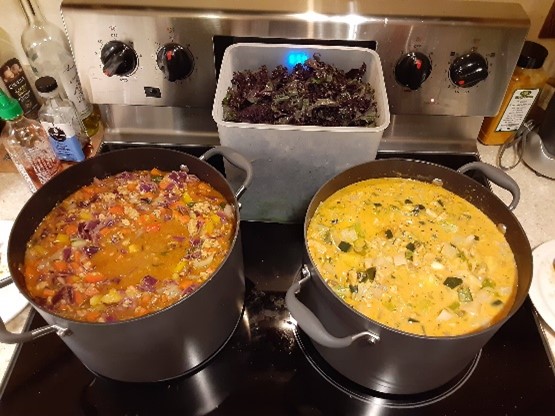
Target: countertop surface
537, 199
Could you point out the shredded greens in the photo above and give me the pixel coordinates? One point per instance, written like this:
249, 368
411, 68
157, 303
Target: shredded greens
313, 93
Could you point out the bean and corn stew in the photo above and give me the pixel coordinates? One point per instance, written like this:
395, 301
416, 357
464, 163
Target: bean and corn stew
413, 256
128, 245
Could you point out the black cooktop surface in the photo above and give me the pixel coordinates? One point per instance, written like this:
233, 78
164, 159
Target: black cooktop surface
269, 367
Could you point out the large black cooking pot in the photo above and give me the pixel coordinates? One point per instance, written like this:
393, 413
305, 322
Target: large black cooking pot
160, 345
377, 356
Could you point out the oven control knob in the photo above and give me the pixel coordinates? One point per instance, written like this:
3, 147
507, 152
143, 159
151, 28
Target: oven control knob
468, 70
175, 61
413, 69
118, 58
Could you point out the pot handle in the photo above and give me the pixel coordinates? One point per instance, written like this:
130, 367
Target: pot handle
8, 337
5, 282
237, 160
497, 176
310, 323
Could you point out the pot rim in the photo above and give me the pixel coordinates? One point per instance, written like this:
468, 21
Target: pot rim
414, 162
61, 176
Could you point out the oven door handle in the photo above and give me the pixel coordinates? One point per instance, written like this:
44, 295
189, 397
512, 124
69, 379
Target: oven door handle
237, 160
8, 337
310, 323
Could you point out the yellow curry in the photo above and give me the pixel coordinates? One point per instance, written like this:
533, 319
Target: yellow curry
413, 256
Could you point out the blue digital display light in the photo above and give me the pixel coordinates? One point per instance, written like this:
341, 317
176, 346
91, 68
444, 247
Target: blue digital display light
294, 58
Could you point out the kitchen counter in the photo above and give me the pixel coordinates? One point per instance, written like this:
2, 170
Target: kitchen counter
537, 197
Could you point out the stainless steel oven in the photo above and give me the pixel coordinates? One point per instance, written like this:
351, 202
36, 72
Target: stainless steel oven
446, 63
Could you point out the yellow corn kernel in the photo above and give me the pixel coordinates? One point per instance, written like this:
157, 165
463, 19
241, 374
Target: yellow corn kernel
180, 266
95, 300
133, 248
186, 198
62, 238
208, 226
111, 297
85, 215
39, 251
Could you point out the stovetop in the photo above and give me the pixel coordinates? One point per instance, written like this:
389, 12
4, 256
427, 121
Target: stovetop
269, 367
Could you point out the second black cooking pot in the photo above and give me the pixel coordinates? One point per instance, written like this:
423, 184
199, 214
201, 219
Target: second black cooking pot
160, 345
377, 356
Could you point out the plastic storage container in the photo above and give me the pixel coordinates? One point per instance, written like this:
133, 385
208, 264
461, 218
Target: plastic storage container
291, 162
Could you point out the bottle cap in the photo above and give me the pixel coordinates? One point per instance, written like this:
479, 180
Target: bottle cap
532, 56
46, 84
9, 107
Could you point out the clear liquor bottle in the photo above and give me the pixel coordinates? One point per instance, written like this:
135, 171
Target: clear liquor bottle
49, 54
27, 143
60, 120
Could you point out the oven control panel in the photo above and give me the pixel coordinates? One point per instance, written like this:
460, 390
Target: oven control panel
457, 64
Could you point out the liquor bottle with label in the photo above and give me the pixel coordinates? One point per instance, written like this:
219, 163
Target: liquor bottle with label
13, 76
27, 143
524, 88
49, 54
60, 120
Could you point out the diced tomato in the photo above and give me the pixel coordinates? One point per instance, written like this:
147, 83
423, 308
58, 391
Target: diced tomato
139, 311
185, 284
60, 266
94, 277
31, 271
48, 292
70, 229
116, 210
92, 316
78, 297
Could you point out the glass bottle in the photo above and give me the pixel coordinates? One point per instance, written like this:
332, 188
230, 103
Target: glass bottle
27, 143
537, 113
60, 120
14, 78
49, 54
524, 87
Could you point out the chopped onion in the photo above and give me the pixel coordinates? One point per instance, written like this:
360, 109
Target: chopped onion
349, 234
436, 265
469, 240
449, 251
399, 260
444, 315
205, 262
228, 210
